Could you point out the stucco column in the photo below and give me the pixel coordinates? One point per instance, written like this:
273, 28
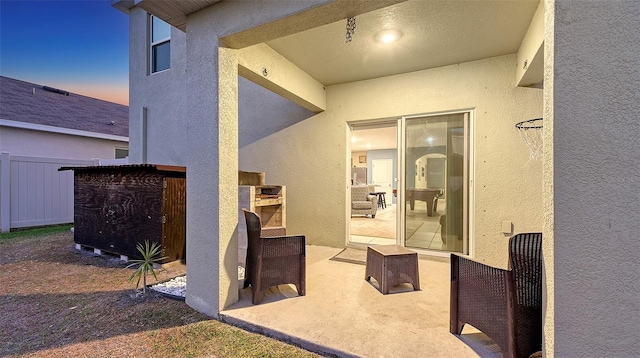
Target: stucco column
547, 186
592, 177
212, 170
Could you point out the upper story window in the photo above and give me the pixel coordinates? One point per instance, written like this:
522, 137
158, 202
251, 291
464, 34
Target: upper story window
160, 44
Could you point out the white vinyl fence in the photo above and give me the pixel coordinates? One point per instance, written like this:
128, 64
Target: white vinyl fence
33, 192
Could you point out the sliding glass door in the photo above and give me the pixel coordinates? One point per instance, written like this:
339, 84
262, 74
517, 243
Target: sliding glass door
434, 191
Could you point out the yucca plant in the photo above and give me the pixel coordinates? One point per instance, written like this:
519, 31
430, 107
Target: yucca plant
150, 255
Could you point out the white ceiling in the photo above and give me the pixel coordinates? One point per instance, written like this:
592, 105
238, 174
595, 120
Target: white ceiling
434, 34
373, 139
419, 133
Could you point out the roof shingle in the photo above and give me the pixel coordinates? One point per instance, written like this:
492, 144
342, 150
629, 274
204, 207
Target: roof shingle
27, 102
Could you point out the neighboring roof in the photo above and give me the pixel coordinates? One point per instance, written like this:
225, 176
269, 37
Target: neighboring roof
30, 103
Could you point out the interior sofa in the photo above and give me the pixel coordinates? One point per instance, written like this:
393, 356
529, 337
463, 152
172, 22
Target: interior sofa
362, 203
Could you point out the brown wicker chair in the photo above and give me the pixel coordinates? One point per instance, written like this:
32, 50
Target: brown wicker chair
272, 261
506, 305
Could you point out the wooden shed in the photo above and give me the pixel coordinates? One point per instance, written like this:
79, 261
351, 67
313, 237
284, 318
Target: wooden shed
117, 207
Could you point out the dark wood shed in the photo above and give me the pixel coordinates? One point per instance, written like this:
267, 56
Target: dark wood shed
117, 207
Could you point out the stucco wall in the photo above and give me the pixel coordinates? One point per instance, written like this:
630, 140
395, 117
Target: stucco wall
310, 156
263, 113
162, 93
596, 175
548, 262
18, 141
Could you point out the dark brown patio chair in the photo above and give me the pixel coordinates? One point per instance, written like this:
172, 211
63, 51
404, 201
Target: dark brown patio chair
273, 260
506, 305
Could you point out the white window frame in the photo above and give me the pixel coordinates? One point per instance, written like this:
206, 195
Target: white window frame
154, 44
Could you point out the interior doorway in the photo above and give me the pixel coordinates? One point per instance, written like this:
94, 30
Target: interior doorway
382, 179
374, 163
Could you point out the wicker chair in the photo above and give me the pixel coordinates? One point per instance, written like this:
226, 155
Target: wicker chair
506, 305
272, 261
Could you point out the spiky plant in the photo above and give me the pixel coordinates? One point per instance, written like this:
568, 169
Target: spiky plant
150, 255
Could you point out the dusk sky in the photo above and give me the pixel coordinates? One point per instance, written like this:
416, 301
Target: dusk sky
79, 46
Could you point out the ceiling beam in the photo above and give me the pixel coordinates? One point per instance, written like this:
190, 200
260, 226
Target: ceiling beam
530, 67
311, 18
264, 66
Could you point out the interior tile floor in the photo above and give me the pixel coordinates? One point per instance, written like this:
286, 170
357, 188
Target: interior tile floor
427, 236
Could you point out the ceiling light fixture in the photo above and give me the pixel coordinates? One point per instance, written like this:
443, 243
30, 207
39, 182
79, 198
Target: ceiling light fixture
388, 36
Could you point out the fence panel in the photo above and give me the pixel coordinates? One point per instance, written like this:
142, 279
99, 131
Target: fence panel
39, 194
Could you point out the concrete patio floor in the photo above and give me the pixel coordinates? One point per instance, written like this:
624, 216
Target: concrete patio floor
344, 315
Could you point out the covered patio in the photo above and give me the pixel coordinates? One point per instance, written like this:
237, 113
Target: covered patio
345, 315
584, 74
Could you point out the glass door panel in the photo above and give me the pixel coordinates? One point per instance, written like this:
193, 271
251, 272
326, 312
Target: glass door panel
436, 168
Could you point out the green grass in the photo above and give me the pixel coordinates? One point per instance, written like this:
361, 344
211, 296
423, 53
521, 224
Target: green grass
88, 313
219, 340
33, 233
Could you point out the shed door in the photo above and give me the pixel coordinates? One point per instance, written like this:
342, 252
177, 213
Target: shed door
174, 219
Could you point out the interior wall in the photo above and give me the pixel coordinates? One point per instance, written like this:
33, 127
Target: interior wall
355, 159
314, 167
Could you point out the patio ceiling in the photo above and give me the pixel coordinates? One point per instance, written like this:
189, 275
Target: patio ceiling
433, 34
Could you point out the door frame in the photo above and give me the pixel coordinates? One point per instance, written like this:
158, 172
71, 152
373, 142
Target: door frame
469, 243
374, 123
469, 222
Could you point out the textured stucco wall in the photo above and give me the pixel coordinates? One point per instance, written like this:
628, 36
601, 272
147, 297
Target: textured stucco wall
263, 113
18, 141
211, 148
596, 176
192, 114
162, 93
310, 156
548, 262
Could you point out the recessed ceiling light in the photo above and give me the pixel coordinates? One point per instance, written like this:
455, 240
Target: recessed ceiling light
388, 36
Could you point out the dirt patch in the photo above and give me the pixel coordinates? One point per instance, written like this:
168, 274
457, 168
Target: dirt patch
58, 301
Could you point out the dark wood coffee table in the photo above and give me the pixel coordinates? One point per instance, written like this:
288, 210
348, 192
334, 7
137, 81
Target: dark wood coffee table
392, 265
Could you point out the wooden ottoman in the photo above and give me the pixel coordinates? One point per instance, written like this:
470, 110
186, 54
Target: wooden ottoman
392, 265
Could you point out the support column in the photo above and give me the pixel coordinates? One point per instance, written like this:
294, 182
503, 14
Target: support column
212, 170
548, 291
592, 178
